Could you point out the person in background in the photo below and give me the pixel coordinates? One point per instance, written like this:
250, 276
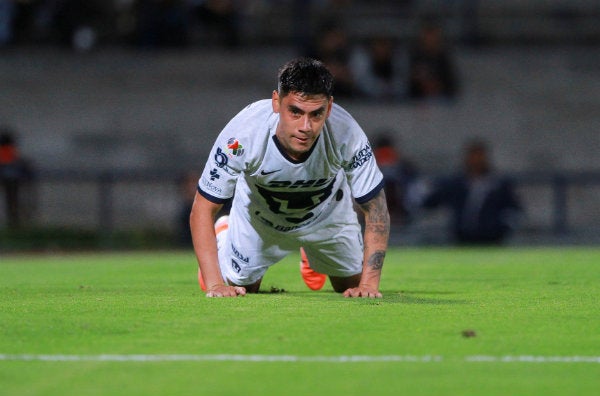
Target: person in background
14, 172
79, 23
220, 19
399, 175
331, 45
379, 70
484, 205
431, 71
7, 16
188, 184
161, 23
187, 190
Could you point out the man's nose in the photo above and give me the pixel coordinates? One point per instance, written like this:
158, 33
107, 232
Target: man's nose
305, 123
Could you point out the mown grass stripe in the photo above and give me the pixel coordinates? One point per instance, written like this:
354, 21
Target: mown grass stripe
217, 358
294, 358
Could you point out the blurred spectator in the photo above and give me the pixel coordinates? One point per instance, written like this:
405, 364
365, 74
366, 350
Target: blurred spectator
187, 190
161, 23
431, 69
7, 16
471, 34
220, 20
399, 175
23, 19
379, 70
331, 46
14, 173
188, 185
79, 22
484, 205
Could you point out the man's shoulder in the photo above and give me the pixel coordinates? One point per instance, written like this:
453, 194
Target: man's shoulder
343, 125
245, 138
340, 114
251, 120
258, 109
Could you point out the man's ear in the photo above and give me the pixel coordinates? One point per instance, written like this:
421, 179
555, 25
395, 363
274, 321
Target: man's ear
275, 101
329, 106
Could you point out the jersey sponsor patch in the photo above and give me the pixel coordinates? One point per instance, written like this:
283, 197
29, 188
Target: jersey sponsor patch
234, 147
221, 161
220, 158
277, 227
209, 186
239, 255
236, 267
214, 174
360, 158
295, 199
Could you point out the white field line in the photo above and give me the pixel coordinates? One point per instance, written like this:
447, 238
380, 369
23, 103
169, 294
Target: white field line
533, 359
294, 358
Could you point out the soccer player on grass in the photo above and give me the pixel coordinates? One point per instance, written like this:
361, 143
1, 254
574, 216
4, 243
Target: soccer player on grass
293, 165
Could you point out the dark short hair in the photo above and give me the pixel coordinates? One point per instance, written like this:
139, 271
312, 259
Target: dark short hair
475, 144
305, 76
6, 136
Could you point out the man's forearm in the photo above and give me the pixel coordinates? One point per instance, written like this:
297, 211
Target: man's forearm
377, 232
204, 241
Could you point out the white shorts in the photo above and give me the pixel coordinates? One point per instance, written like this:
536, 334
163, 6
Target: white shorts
246, 251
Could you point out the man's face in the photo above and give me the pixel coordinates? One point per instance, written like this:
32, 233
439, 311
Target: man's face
476, 161
301, 120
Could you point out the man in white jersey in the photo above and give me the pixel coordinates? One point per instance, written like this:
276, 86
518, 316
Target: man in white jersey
293, 165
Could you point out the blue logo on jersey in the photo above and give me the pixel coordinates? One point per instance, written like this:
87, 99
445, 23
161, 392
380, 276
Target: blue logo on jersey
221, 158
214, 174
239, 255
208, 186
236, 267
361, 157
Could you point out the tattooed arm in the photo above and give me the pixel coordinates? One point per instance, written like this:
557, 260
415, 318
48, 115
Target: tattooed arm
377, 232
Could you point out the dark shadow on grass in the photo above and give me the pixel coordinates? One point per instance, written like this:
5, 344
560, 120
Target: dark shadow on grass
393, 297
407, 298
272, 290
435, 292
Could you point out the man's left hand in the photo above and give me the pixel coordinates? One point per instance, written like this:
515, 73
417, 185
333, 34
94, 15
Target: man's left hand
363, 292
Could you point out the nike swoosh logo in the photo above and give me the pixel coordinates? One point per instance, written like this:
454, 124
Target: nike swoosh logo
268, 173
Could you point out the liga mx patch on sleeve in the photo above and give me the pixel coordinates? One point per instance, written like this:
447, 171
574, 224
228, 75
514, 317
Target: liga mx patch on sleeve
234, 147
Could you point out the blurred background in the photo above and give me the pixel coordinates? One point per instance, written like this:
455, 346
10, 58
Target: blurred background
108, 110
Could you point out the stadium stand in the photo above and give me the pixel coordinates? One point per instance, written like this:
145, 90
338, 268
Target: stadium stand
107, 129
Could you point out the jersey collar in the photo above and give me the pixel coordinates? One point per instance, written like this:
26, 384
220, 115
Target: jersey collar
285, 154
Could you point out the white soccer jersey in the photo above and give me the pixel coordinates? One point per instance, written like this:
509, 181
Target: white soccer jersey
272, 189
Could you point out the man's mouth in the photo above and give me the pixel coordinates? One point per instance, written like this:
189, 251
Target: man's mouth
302, 139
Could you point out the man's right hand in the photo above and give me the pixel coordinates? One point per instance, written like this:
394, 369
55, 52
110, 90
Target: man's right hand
226, 291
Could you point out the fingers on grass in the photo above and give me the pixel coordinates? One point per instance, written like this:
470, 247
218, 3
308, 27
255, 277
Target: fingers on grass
362, 293
227, 292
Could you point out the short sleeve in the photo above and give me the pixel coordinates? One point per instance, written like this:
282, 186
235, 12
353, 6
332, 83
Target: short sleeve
363, 174
223, 167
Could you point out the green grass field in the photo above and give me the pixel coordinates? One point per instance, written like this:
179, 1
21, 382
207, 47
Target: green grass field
137, 324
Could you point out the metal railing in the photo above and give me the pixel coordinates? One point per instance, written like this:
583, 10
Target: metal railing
106, 182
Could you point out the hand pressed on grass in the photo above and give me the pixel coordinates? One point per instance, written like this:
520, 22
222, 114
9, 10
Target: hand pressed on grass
226, 291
